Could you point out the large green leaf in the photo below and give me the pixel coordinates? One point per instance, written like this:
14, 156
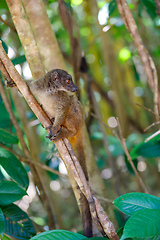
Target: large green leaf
1, 223
17, 222
14, 167
10, 192
58, 235
148, 149
143, 224
7, 138
96, 238
132, 202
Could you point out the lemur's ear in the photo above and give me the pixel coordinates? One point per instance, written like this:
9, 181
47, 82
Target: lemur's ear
54, 75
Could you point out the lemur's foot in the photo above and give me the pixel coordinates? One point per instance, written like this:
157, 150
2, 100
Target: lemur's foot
11, 84
52, 136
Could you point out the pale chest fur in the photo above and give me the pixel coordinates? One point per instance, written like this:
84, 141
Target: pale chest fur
52, 102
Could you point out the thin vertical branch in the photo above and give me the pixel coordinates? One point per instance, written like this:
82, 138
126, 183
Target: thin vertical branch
145, 57
139, 179
105, 142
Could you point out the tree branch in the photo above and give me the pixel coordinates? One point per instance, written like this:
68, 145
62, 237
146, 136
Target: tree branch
65, 150
139, 179
145, 57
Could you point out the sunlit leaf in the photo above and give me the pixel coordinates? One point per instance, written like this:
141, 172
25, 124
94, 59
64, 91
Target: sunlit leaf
124, 54
76, 2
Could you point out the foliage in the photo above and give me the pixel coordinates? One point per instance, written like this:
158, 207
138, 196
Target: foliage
62, 234
13, 221
58, 234
144, 211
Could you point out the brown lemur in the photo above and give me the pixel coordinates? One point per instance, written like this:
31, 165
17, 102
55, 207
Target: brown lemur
54, 92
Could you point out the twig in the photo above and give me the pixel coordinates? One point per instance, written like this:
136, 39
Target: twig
8, 24
152, 136
130, 159
29, 161
49, 169
102, 199
153, 124
149, 110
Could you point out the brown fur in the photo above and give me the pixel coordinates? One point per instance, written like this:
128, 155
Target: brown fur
54, 93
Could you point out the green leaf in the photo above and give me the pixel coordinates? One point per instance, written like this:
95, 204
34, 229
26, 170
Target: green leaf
148, 149
1, 223
97, 238
10, 192
7, 138
112, 7
150, 8
14, 167
132, 202
19, 60
58, 235
128, 165
17, 222
143, 224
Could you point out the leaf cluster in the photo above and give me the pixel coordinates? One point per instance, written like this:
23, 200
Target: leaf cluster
13, 186
144, 215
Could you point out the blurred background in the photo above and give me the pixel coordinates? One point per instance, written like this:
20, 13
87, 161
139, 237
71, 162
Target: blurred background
112, 83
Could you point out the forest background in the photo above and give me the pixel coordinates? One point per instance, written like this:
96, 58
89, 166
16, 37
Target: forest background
113, 53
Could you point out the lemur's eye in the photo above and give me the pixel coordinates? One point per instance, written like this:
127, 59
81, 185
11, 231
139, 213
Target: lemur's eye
68, 81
